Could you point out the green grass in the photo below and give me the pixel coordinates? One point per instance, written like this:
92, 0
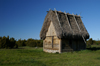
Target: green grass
28, 56
97, 46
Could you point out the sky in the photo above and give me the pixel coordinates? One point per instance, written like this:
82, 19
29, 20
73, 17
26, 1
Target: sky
23, 19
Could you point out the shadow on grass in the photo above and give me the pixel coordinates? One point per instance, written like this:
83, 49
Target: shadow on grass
23, 47
17, 48
93, 48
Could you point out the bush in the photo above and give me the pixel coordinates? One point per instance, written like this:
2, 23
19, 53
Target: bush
12, 42
89, 42
34, 43
5, 42
31, 42
97, 43
39, 43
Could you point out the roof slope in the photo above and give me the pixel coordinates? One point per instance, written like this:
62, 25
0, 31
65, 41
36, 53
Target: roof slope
66, 25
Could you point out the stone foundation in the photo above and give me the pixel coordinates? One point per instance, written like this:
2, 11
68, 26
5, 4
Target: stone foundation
50, 51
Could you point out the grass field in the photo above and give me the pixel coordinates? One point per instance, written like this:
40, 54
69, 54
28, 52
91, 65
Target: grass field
28, 56
97, 46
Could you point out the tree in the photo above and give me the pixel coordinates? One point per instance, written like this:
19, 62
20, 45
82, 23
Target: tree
89, 42
0, 42
31, 42
5, 42
40, 43
13, 43
21, 42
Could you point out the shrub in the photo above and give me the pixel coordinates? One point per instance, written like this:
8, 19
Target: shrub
21, 43
34, 43
5, 42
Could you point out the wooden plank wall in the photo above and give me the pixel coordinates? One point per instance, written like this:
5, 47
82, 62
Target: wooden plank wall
51, 42
48, 43
51, 30
73, 45
78, 45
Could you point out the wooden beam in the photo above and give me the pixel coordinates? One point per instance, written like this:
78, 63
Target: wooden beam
52, 41
60, 45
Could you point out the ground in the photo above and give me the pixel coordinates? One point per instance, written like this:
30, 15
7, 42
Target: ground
29, 56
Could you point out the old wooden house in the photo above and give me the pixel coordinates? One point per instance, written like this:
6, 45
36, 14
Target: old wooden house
63, 32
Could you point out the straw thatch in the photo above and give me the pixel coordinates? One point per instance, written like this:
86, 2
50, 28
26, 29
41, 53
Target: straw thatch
66, 26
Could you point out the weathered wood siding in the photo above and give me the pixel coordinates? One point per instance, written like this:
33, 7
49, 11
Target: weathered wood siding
70, 45
48, 42
55, 42
51, 30
66, 45
51, 44
82, 45
78, 45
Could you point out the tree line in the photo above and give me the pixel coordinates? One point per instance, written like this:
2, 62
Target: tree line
92, 42
6, 42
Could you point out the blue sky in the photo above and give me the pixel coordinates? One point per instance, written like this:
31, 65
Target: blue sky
24, 18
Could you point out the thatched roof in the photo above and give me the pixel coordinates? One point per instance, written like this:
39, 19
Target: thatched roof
66, 25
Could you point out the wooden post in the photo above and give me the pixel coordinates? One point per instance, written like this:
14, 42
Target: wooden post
60, 45
52, 41
43, 45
